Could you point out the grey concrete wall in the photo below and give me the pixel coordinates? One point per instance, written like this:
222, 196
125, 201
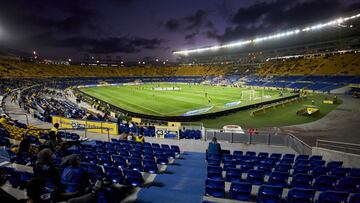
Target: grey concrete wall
350, 160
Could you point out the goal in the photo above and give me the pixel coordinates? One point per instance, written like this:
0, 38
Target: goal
248, 94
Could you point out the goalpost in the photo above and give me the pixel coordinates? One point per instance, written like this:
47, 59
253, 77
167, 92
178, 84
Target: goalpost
248, 94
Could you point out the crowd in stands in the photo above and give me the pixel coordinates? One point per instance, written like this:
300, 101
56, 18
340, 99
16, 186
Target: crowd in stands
76, 171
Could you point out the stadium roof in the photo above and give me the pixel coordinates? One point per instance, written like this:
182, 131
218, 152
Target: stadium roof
306, 30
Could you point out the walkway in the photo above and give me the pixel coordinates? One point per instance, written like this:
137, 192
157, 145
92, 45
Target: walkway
183, 181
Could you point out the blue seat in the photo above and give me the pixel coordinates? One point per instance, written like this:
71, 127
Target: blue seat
255, 177
135, 164
278, 179
214, 162
302, 181
246, 166
333, 197
150, 166
227, 157
119, 161
320, 170
315, 158
237, 153
256, 159
233, 174
289, 156
162, 159
133, 177
301, 169
165, 146
340, 172
302, 157
283, 168
355, 172
355, 198
298, 195
214, 172
240, 191
225, 151
302, 162
263, 154
334, 164
155, 145
349, 184
286, 161
276, 156
175, 148
266, 167
317, 163
170, 153
229, 164
325, 182
215, 188
242, 158
114, 174
269, 193
250, 153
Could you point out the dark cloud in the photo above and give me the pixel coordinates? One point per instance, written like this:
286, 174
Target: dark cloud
191, 36
195, 21
172, 25
267, 17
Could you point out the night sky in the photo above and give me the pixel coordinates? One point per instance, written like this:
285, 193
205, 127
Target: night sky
138, 29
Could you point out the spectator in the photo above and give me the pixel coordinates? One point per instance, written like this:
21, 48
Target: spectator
45, 168
214, 147
130, 137
140, 138
73, 177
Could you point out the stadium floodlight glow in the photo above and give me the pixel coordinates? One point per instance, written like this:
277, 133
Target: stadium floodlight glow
269, 37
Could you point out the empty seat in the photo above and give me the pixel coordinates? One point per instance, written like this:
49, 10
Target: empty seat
355, 172
229, 164
355, 198
255, 177
283, 168
214, 162
286, 161
237, 153
245, 167
225, 151
289, 156
263, 154
301, 169
114, 174
276, 156
333, 197
325, 182
175, 148
317, 163
233, 174
302, 157
302, 181
266, 167
227, 157
133, 177
315, 158
162, 159
320, 170
278, 179
349, 184
150, 166
215, 188
269, 193
302, 162
135, 164
214, 172
300, 195
334, 164
340, 172
240, 191
250, 153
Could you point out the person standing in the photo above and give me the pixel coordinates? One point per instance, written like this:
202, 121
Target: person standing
214, 147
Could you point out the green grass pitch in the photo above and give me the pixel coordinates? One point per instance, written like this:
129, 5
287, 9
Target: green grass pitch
145, 100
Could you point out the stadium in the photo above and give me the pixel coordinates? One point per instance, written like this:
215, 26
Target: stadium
270, 117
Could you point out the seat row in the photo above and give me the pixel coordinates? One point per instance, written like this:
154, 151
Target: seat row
270, 193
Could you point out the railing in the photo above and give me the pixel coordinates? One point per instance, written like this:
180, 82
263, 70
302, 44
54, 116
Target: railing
339, 146
260, 137
73, 129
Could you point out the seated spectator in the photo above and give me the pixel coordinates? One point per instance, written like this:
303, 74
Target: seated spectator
73, 177
45, 168
214, 147
140, 138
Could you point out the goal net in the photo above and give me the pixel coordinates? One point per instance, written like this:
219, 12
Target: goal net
248, 94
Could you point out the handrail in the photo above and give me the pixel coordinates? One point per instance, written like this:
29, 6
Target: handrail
336, 142
85, 129
297, 139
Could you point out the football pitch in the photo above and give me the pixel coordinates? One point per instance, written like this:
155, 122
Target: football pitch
175, 99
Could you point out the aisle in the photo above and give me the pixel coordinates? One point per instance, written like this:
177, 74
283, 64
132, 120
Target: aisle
184, 181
